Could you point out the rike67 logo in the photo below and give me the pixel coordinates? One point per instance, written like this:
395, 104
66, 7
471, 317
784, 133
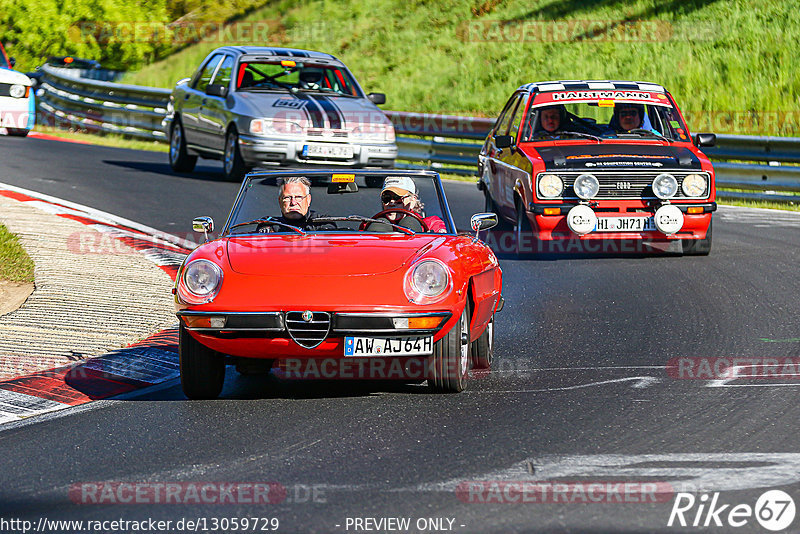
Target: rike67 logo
774, 510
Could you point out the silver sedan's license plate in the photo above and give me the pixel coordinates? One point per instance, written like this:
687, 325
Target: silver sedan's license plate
327, 150
395, 346
626, 224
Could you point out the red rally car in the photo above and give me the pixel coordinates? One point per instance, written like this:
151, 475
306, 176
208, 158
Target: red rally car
597, 161
364, 277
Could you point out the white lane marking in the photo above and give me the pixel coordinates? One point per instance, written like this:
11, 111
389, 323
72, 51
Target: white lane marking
745, 470
102, 216
735, 373
640, 382
15, 406
579, 368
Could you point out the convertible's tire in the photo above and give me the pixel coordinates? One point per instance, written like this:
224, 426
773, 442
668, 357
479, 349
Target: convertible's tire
202, 369
374, 181
18, 132
179, 158
698, 247
233, 166
449, 363
482, 349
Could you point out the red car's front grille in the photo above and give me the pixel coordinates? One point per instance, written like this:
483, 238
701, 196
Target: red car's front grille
308, 329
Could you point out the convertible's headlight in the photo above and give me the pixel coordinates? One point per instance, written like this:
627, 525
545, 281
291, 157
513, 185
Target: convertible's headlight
665, 186
200, 282
427, 281
550, 186
275, 127
586, 186
17, 91
694, 185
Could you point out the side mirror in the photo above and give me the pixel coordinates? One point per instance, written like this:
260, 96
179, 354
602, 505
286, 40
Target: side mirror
503, 141
377, 98
217, 89
482, 221
705, 139
12, 61
203, 224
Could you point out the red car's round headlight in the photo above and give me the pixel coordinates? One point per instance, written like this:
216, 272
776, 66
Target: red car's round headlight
427, 281
200, 282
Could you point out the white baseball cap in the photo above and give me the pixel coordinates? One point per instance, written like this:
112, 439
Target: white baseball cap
402, 185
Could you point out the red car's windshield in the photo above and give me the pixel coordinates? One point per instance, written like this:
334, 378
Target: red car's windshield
590, 115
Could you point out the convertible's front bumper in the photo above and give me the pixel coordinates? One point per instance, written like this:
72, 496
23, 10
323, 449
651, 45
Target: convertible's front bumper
275, 151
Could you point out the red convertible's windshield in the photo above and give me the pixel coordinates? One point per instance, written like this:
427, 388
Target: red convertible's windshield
653, 118
348, 202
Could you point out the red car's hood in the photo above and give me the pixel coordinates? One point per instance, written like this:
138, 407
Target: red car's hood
325, 255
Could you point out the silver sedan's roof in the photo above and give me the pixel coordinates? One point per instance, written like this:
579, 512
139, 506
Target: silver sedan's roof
276, 52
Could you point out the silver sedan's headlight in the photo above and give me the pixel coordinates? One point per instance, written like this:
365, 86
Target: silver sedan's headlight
550, 186
373, 132
275, 127
694, 185
427, 281
665, 186
200, 281
17, 91
586, 186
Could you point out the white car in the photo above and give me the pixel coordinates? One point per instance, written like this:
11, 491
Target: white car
17, 106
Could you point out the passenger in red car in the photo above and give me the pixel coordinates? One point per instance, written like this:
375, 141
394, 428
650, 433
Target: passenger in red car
400, 192
551, 118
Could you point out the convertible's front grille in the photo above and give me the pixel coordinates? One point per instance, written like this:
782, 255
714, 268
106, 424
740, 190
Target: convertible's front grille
308, 329
623, 185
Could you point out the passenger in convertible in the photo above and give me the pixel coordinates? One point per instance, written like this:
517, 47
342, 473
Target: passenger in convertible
400, 192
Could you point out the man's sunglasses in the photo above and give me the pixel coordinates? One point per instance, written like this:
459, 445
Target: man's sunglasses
387, 197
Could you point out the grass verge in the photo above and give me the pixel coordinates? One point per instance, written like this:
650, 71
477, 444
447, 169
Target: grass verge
15, 264
112, 140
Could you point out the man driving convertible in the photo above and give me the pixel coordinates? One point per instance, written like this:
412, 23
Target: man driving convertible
294, 199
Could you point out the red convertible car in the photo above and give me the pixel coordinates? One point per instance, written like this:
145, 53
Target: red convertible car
315, 271
591, 162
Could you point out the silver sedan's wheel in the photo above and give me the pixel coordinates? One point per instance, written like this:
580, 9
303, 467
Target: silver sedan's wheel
179, 159
233, 164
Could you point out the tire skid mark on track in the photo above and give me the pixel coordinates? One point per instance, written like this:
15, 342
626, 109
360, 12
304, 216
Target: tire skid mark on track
143, 364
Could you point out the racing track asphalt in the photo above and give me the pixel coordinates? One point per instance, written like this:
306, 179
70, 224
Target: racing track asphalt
581, 348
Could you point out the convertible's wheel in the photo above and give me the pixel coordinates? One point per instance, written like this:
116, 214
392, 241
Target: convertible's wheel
233, 164
449, 363
483, 348
179, 159
202, 369
698, 247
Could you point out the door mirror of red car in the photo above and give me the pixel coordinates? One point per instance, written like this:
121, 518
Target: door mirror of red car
203, 224
216, 89
482, 221
705, 139
503, 141
377, 98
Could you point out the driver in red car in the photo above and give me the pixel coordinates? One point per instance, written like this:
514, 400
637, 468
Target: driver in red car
294, 199
400, 192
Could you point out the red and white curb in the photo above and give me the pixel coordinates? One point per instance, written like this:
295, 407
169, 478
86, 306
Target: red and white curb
143, 364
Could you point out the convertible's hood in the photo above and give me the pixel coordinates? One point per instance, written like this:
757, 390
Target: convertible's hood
13, 77
609, 156
312, 110
324, 255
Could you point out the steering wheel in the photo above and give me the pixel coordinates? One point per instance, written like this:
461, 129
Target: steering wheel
383, 215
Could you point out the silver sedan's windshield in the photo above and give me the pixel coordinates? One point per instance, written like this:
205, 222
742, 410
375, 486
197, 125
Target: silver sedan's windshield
295, 77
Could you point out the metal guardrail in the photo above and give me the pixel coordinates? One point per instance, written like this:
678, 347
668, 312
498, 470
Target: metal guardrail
447, 143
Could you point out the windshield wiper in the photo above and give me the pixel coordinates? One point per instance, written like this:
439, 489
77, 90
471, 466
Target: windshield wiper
270, 220
580, 134
359, 218
642, 131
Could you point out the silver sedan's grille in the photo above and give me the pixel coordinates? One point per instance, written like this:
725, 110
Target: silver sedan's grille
623, 185
308, 333
320, 132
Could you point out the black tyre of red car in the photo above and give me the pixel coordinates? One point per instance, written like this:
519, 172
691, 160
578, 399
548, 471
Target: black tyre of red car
449, 363
179, 158
698, 247
483, 348
202, 369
